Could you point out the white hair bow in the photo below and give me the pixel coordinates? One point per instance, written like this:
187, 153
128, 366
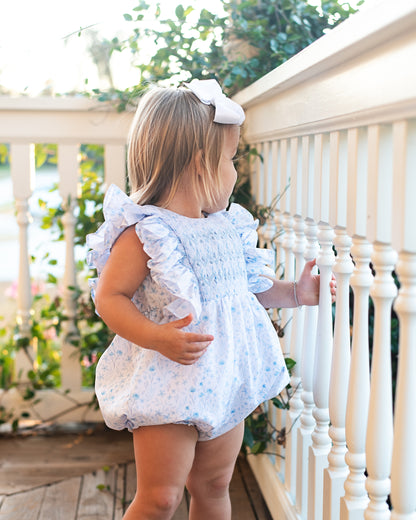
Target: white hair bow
227, 111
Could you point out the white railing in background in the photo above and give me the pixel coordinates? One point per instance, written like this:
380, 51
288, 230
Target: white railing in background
338, 121
67, 123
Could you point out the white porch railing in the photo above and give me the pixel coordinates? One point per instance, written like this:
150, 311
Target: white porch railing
338, 122
68, 123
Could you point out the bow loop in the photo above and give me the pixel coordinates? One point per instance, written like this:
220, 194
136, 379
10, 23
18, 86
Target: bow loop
208, 91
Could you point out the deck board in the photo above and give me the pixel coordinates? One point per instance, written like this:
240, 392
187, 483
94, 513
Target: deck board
61, 500
75, 478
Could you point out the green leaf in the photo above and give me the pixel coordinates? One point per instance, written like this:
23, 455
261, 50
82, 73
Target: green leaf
180, 12
128, 17
51, 279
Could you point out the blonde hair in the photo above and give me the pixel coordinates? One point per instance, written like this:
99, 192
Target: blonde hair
172, 133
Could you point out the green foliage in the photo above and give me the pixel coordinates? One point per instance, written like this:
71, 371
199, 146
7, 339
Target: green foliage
275, 31
259, 431
203, 44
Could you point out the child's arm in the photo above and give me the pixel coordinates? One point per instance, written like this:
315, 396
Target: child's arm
282, 293
123, 273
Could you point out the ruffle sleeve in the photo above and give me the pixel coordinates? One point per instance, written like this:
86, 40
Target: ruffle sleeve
259, 262
166, 263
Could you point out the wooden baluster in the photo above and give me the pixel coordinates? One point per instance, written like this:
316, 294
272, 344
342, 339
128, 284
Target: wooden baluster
278, 241
279, 415
403, 474
355, 500
337, 471
288, 243
321, 443
68, 189
296, 403
380, 418
22, 170
307, 422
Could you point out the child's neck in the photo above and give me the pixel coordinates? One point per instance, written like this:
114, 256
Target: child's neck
185, 204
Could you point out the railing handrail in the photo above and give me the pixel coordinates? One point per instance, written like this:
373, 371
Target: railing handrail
377, 27
61, 120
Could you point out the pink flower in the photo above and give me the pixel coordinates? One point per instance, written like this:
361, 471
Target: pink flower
12, 290
50, 333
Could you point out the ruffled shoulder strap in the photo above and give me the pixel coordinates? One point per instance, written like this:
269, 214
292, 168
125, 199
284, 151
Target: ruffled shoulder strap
167, 263
120, 212
259, 262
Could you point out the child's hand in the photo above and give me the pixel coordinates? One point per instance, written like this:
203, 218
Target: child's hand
180, 346
307, 287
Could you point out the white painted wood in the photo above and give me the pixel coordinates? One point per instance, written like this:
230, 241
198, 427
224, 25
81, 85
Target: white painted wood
284, 164
342, 75
287, 244
259, 175
307, 421
296, 403
278, 215
318, 452
380, 182
357, 182
403, 473
307, 177
338, 180
61, 120
380, 418
274, 173
267, 182
22, 169
404, 186
274, 492
337, 471
68, 168
355, 500
278, 243
296, 163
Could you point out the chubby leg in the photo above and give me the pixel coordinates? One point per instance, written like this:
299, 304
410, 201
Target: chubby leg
164, 457
210, 476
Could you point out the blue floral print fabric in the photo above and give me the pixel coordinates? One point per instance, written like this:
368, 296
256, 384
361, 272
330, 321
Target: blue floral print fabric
209, 267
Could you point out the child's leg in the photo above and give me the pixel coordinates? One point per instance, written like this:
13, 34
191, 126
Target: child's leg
164, 457
210, 476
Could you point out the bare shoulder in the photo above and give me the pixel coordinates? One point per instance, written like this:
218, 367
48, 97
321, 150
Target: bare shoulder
126, 267
129, 241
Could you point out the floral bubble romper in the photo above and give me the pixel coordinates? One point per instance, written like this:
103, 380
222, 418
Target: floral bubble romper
209, 267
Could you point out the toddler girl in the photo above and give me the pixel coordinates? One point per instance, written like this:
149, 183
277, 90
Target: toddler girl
182, 285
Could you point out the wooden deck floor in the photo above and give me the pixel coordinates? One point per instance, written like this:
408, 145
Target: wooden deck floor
90, 477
